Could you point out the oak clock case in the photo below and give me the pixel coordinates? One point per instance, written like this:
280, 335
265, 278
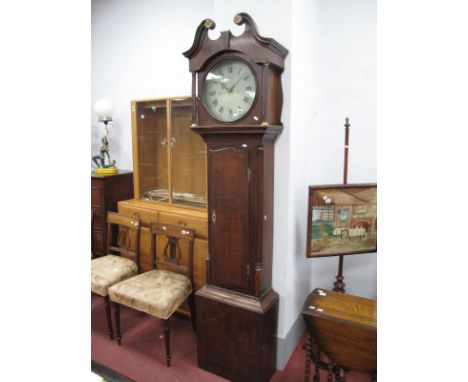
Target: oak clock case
237, 310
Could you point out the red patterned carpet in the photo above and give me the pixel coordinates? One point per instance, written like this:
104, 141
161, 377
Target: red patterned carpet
141, 356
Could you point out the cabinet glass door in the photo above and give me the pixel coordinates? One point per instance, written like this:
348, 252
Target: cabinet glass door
188, 157
153, 150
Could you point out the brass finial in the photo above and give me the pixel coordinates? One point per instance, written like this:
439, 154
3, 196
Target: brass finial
237, 19
209, 24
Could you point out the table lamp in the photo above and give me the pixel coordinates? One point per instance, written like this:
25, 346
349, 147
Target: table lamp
103, 108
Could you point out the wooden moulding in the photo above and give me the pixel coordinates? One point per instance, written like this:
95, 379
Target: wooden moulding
258, 47
238, 300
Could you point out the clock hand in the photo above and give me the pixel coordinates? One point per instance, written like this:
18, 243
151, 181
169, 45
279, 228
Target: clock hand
235, 83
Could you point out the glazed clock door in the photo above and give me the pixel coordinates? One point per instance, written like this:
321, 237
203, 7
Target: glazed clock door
229, 198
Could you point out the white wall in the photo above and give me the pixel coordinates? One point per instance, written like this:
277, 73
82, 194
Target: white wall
136, 53
340, 62
329, 75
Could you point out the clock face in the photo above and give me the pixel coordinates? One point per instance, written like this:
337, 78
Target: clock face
229, 90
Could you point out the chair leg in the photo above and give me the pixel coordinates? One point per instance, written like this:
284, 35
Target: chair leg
343, 375
117, 321
330, 371
340, 374
192, 311
167, 340
108, 316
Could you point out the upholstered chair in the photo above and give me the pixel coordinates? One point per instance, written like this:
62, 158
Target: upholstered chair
162, 290
123, 233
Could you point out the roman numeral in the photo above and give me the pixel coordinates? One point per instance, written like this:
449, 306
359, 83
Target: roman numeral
221, 109
213, 93
215, 102
230, 112
246, 99
230, 69
246, 77
248, 88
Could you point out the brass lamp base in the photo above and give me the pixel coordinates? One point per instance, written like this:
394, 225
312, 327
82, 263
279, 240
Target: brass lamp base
106, 171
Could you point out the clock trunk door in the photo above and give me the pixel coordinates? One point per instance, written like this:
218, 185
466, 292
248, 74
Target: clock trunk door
229, 217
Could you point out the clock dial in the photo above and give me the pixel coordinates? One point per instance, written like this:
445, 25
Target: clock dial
229, 90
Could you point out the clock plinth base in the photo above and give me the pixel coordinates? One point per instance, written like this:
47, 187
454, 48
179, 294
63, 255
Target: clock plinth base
236, 334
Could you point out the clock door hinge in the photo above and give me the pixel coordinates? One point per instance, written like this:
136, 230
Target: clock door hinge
249, 174
247, 270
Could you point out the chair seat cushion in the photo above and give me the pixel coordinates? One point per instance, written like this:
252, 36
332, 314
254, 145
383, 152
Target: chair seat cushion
109, 270
157, 292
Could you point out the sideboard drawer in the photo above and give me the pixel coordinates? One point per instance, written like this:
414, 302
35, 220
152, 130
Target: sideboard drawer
99, 242
99, 218
146, 217
96, 196
199, 225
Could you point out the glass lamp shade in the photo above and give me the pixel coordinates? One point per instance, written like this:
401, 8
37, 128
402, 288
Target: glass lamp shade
103, 108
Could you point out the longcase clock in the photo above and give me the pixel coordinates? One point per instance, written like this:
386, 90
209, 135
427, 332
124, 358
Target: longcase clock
236, 108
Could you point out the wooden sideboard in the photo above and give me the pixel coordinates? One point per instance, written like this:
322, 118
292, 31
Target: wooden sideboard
106, 191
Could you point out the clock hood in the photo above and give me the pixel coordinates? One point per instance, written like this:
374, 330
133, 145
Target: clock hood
264, 50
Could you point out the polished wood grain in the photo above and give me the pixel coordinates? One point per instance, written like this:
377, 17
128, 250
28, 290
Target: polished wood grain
241, 197
199, 224
344, 328
127, 236
106, 191
228, 221
238, 336
237, 309
265, 57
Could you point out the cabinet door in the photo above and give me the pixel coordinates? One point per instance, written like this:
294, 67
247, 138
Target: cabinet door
188, 157
229, 217
152, 150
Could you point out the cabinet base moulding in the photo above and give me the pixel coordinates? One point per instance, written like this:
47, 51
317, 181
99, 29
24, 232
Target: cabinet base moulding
237, 334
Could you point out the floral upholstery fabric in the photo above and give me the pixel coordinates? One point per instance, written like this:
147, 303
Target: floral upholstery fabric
108, 270
156, 292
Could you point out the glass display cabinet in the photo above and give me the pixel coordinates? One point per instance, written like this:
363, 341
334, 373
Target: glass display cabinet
170, 159
170, 181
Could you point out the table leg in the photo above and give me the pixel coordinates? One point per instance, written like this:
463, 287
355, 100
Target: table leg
308, 350
317, 364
